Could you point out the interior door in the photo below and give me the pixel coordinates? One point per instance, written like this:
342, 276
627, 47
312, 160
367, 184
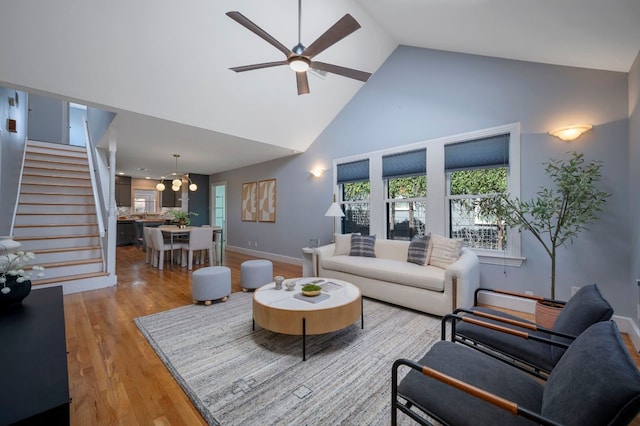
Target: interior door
219, 208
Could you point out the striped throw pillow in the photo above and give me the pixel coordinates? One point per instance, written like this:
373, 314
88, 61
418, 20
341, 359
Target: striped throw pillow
363, 245
418, 249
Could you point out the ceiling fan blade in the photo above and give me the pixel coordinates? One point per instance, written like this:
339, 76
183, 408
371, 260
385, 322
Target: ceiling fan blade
343, 71
345, 26
303, 83
248, 24
258, 66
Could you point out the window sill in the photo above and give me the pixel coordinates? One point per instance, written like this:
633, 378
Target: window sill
491, 258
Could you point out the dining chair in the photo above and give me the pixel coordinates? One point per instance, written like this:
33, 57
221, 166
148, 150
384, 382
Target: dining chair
199, 239
214, 244
148, 246
161, 246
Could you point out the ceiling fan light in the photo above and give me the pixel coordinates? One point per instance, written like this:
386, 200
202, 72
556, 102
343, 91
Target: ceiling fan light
160, 186
299, 64
193, 187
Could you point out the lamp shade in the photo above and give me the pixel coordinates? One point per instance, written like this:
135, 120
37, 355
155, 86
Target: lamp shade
160, 186
571, 133
334, 210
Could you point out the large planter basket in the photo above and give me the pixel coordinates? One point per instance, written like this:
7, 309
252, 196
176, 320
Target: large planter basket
547, 313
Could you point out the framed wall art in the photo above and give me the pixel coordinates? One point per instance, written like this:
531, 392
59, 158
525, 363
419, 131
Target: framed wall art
249, 202
267, 200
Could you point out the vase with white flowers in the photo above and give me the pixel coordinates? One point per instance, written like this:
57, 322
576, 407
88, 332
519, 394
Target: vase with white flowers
15, 281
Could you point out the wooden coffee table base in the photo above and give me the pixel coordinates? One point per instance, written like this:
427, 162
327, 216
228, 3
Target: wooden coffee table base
307, 322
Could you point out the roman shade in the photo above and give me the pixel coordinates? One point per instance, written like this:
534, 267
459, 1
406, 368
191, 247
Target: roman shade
488, 152
409, 163
356, 171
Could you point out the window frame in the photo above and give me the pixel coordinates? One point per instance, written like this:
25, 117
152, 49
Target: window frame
437, 202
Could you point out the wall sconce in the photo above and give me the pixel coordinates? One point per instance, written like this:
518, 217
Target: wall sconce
570, 133
317, 172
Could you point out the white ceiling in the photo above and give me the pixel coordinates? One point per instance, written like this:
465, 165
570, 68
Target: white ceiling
163, 66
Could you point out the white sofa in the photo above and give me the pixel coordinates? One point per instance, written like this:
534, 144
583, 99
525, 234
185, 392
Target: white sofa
390, 278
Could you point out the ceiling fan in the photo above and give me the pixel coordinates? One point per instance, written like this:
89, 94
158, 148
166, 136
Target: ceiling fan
300, 57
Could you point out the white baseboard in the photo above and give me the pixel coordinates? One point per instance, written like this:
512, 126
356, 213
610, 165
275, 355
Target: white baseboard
625, 324
265, 255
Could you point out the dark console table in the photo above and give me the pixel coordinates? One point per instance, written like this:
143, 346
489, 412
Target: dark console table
33, 356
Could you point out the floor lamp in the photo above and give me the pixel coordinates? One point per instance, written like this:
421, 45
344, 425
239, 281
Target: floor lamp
334, 211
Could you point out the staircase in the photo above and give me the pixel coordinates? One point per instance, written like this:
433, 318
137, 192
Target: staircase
56, 216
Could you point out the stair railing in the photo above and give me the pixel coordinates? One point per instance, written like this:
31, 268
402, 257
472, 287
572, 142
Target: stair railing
97, 195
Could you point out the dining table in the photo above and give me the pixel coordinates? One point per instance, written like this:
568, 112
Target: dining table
177, 233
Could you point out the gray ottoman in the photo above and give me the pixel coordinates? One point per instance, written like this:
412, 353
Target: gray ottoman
211, 283
255, 273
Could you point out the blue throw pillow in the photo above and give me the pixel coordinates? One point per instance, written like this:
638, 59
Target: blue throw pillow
363, 245
418, 249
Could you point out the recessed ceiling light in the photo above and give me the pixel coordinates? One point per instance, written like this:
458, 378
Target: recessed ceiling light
120, 173
142, 169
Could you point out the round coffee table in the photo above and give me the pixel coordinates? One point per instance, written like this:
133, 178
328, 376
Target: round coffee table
289, 312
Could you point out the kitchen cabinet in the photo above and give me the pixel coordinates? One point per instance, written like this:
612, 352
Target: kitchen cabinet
126, 233
171, 198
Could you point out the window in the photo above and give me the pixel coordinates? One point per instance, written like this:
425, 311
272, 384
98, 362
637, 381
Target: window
405, 183
355, 191
442, 186
144, 201
476, 171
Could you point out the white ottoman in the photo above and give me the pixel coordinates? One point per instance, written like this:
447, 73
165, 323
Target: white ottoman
211, 283
255, 273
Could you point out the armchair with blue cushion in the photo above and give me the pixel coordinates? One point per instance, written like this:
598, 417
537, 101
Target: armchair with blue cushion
525, 344
595, 382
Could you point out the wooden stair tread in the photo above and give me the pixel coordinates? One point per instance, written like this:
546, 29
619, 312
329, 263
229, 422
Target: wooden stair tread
57, 194
53, 225
69, 263
55, 237
67, 278
65, 249
55, 213
31, 203
57, 185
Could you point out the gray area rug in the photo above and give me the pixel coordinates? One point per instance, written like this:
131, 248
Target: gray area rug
236, 376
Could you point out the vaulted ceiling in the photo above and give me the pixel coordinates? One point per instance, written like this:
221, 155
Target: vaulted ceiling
163, 66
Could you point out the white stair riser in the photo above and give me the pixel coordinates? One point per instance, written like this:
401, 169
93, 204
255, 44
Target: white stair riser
62, 256
59, 167
62, 271
58, 209
30, 245
56, 198
54, 148
48, 170
62, 230
57, 188
54, 219
55, 161
61, 180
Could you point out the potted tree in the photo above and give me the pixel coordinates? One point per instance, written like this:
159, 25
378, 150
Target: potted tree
556, 215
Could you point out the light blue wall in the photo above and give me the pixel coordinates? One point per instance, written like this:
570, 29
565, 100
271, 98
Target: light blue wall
11, 152
421, 94
634, 169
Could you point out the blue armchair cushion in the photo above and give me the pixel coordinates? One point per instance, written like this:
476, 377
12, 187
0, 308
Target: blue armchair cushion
473, 367
595, 383
585, 308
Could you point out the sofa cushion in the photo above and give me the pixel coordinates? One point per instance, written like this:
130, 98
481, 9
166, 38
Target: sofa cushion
444, 251
363, 245
343, 244
393, 271
418, 249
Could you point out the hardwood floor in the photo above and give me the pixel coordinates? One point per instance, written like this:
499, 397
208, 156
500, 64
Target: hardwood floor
115, 377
